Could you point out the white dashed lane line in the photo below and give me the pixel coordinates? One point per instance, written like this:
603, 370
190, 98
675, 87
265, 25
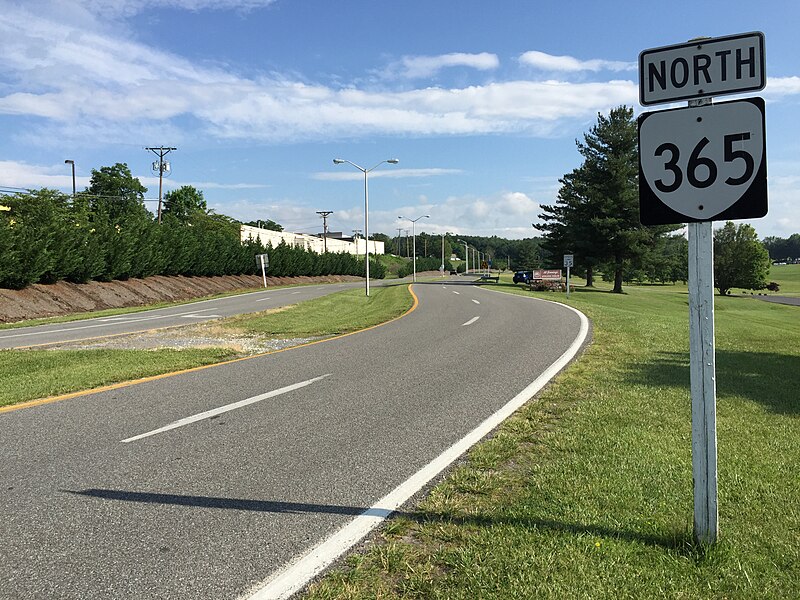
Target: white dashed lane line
223, 409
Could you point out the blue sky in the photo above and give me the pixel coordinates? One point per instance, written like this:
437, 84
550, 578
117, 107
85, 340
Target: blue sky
481, 101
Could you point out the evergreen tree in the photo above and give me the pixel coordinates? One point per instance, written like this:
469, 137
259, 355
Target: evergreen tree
120, 221
597, 211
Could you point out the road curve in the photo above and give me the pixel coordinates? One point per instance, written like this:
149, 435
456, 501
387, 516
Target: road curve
206, 484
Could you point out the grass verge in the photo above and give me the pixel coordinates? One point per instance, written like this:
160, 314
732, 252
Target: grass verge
586, 492
335, 314
33, 374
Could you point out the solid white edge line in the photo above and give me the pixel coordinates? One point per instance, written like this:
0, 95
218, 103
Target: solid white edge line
471, 321
304, 568
223, 409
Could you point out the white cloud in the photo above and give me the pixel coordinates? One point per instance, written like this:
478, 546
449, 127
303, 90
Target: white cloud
129, 8
23, 175
569, 64
77, 82
782, 86
419, 67
349, 175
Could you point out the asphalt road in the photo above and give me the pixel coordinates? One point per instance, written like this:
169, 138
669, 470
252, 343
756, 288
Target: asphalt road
182, 314
98, 502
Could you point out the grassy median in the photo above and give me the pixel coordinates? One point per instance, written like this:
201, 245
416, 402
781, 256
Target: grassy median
33, 374
587, 491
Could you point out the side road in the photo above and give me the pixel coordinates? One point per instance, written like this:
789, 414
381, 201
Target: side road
183, 314
64, 298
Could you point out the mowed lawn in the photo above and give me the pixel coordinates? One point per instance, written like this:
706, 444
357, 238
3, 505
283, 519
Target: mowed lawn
788, 277
587, 491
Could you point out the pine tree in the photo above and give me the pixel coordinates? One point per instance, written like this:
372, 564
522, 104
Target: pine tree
597, 212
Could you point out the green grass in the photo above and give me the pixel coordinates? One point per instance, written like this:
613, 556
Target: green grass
335, 314
788, 276
32, 374
587, 491
392, 263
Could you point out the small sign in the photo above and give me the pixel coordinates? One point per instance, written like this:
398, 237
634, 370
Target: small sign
262, 260
703, 163
701, 68
569, 260
546, 274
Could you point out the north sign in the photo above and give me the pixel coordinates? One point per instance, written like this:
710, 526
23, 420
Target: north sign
704, 163
702, 68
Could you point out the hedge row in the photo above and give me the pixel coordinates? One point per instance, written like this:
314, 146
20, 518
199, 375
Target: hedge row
46, 236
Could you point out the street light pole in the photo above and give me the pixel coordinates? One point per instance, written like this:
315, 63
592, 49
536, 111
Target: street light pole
414, 237
72, 162
444, 234
466, 257
391, 161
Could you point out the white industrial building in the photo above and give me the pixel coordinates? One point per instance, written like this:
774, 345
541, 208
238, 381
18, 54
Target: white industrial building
335, 242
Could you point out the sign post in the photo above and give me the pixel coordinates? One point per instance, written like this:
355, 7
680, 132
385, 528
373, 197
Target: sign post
702, 372
263, 260
697, 165
569, 260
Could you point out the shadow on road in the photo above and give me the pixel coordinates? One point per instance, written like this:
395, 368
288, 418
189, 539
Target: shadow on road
678, 540
229, 503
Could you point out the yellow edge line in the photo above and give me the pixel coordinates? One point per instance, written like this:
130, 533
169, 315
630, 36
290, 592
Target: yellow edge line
123, 384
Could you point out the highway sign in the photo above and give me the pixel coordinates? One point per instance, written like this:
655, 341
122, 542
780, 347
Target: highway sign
569, 260
701, 68
703, 163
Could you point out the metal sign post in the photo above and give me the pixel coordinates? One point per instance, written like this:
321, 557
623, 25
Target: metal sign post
569, 260
699, 164
263, 260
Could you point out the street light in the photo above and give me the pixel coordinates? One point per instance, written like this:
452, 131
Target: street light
391, 161
414, 237
466, 256
72, 162
443, 236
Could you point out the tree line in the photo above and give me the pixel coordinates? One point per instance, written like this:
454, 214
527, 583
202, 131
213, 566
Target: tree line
106, 233
783, 249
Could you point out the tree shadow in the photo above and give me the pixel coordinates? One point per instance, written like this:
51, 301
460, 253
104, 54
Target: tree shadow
680, 541
749, 374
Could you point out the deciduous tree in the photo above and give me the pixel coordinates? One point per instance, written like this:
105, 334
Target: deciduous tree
740, 259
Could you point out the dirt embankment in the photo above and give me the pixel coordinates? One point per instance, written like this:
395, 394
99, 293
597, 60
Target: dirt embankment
65, 298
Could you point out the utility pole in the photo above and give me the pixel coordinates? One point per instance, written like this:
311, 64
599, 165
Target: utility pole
408, 250
324, 214
399, 229
163, 167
